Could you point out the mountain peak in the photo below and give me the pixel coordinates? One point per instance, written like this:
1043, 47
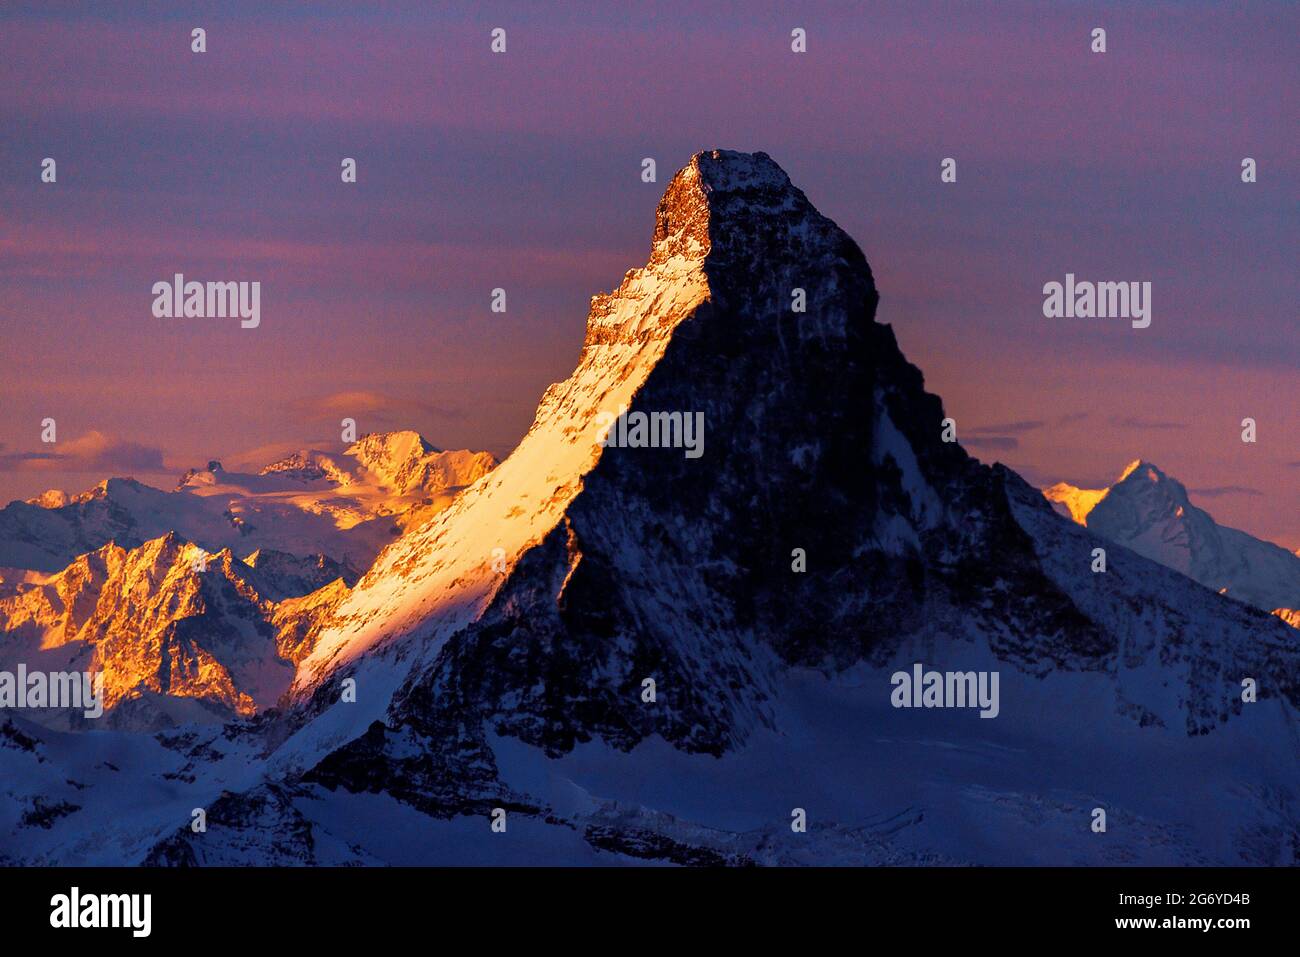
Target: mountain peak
107, 489
731, 182
735, 245
403, 444
50, 498
731, 229
1141, 480
721, 199
1146, 471
1078, 502
1150, 512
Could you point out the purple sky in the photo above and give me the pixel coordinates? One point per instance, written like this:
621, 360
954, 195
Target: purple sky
522, 171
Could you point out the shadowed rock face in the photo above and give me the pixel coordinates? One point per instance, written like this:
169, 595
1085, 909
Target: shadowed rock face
818, 436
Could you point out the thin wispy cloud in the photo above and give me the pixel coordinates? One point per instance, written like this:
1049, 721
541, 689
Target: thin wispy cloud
993, 443
1007, 428
389, 409
90, 452
1155, 425
1218, 491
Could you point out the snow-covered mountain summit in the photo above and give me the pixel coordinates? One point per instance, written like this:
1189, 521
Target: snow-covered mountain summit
724, 222
398, 463
1151, 513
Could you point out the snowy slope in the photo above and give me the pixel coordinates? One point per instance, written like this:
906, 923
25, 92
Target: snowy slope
449, 562
1151, 513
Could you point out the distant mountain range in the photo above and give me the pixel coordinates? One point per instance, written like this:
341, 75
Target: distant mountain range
346, 506
1149, 512
624, 654
196, 604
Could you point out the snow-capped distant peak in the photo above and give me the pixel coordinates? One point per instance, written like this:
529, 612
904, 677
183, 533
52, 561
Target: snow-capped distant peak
1152, 473
1151, 513
377, 448
50, 498
1142, 483
206, 476
1074, 502
400, 463
306, 465
1145, 479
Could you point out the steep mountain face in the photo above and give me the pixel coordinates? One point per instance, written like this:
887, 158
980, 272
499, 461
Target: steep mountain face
346, 506
643, 653
1149, 512
176, 634
629, 563
281, 575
